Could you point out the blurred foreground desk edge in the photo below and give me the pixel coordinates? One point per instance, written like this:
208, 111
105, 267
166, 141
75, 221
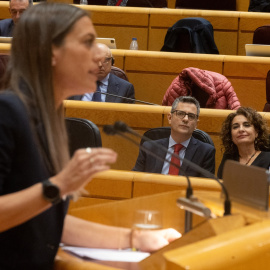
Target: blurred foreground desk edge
228, 238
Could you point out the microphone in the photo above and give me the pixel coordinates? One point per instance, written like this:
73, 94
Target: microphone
131, 99
121, 127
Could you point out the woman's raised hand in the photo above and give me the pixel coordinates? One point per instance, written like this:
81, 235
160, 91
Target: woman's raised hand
82, 166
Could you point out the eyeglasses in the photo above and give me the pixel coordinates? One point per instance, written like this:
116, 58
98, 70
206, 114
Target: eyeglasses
106, 61
15, 11
182, 114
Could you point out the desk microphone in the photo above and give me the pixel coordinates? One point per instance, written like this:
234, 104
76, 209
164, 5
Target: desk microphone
120, 127
131, 99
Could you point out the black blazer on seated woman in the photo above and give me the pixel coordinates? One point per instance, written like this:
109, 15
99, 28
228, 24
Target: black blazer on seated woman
262, 160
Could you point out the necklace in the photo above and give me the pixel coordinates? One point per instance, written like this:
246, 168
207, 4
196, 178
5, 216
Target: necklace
251, 158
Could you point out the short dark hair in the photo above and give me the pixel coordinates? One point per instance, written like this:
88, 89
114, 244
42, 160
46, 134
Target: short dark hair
186, 99
260, 125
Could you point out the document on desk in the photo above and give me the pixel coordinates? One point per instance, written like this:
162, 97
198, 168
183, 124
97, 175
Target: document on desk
115, 255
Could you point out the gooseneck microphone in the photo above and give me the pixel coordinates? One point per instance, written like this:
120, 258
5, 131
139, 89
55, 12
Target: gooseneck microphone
126, 98
120, 127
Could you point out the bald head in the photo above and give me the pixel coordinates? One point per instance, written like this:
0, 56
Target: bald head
16, 8
105, 62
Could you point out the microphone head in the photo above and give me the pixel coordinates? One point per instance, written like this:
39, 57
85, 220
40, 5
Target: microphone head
121, 126
109, 129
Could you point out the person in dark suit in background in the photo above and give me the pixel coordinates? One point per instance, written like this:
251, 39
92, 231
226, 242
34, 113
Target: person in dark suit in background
183, 120
16, 8
108, 82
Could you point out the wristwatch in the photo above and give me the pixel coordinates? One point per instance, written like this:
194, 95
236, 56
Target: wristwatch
51, 192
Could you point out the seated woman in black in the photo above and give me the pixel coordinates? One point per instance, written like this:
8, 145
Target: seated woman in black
244, 136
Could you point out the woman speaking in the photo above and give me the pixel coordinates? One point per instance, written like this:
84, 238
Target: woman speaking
53, 56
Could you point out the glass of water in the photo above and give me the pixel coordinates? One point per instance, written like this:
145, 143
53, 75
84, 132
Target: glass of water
147, 220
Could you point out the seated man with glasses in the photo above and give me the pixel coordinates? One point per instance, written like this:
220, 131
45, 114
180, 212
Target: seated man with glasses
183, 120
110, 88
16, 8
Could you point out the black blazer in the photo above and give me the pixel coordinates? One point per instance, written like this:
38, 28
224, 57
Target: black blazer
116, 86
202, 154
34, 243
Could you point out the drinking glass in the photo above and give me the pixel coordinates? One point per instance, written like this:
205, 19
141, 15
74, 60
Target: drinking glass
147, 220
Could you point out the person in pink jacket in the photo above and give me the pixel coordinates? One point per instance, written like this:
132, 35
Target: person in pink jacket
211, 89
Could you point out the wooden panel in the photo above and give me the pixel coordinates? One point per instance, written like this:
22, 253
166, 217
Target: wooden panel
170, 63
136, 116
4, 10
246, 67
123, 35
225, 27
249, 22
251, 93
118, 56
242, 5
244, 38
221, 40
151, 73
121, 24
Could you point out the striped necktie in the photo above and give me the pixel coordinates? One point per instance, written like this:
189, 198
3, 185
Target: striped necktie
173, 170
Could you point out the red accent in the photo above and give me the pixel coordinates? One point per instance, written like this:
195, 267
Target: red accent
173, 170
119, 2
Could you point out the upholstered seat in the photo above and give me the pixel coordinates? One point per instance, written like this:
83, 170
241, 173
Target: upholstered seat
119, 72
147, 3
164, 132
262, 35
82, 133
267, 104
206, 4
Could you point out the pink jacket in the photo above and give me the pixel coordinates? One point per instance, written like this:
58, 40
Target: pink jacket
220, 93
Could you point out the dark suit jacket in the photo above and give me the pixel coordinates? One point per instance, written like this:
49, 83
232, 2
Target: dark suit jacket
6, 28
116, 86
202, 154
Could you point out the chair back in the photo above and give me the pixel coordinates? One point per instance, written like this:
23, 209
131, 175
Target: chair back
82, 133
93, 2
191, 35
262, 35
206, 4
267, 104
164, 132
147, 3
119, 73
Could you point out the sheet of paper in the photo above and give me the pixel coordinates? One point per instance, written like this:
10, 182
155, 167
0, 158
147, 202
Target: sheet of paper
107, 254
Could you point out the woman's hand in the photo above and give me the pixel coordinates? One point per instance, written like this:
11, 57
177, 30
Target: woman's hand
151, 240
83, 165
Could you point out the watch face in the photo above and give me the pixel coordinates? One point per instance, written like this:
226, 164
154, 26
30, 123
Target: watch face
52, 192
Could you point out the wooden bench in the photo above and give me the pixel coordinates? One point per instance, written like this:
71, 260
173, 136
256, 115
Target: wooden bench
151, 73
232, 29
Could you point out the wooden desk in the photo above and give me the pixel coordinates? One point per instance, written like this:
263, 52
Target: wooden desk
116, 185
243, 235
